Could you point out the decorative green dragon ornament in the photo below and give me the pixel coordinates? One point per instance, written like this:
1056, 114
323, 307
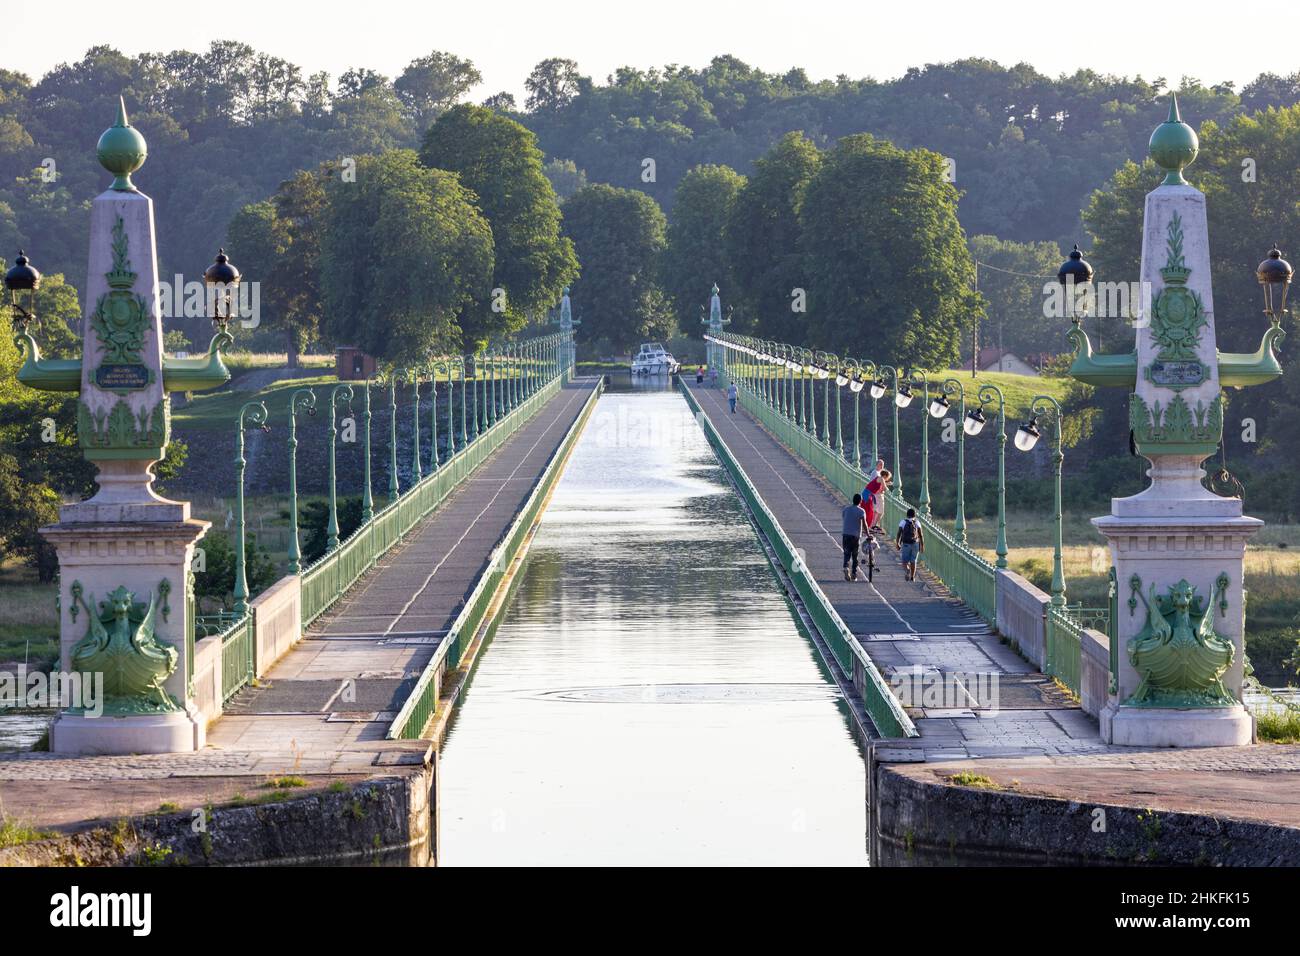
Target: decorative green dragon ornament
120, 644
1178, 654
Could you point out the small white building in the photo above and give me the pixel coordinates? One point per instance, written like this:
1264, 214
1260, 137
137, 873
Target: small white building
998, 360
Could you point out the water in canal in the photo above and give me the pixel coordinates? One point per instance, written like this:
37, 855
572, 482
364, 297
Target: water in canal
648, 698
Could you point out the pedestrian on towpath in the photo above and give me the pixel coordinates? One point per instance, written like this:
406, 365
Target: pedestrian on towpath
910, 540
732, 394
854, 527
873, 498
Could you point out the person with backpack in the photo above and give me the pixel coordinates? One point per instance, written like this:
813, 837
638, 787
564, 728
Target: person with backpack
854, 526
910, 541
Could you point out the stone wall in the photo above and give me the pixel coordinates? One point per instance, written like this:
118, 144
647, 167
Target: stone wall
383, 820
918, 820
1022, 610
1094, 671
207, 677
277, 618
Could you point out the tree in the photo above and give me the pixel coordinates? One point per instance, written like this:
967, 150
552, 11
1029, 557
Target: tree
502, 102
889, 274
762, 238
432, 84
619, 235
499, 161
278, 242
404, 251
566, 178
552, 85
696, 256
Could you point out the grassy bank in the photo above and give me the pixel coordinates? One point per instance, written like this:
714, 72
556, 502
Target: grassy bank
29, 622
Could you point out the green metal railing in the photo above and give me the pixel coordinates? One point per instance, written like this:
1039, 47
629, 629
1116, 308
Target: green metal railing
421, 705
884, 709
1064, 650
238, 656
325, 581
959, 567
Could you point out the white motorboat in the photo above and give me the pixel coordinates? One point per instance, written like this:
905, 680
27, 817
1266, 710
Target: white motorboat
653, 360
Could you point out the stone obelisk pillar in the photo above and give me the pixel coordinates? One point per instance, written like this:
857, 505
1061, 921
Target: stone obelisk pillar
568, 350
714, 351
1177, 548
125, 554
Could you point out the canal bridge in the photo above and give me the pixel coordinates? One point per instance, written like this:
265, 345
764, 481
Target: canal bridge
330, 694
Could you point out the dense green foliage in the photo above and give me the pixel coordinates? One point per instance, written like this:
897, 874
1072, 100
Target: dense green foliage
278, 240
619, 235
499, 162
696, 256
888, 271
404, 252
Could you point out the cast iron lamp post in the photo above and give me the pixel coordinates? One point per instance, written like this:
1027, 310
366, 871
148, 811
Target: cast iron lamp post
954, 386
1027, 436
433, 418
302, 400
416, 471
919, 380
341, 393
902, 398
252, 413
822, 362
973, 425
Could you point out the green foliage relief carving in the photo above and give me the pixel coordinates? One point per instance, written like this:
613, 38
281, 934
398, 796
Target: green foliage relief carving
122, 429
1178, 314
120, 318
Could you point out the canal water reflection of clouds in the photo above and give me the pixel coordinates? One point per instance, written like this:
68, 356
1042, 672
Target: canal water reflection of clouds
648, 698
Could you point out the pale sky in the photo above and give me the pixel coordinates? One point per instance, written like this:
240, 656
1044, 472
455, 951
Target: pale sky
505, 38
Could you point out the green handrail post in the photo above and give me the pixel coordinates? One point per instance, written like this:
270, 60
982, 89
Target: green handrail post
954, 386
343, 391
987, 393
302, 400
252, 413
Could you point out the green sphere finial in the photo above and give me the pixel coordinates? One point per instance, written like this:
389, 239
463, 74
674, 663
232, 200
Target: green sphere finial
1174, 145
122, 150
